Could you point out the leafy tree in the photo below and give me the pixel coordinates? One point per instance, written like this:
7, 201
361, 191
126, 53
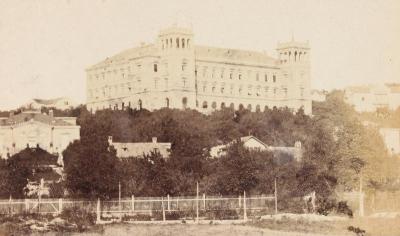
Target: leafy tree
91, 169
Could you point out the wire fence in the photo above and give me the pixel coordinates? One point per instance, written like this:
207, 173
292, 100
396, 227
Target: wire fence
191, 206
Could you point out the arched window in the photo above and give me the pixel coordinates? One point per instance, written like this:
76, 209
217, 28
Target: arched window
184, 102
183, 43
177, 42
241, 107
155, 67
249, 107
295, 56
222, 105
205, 105
258, 109
214, 105
167, 102
232, 106
266, 108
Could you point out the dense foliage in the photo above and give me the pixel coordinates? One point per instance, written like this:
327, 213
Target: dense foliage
338, 150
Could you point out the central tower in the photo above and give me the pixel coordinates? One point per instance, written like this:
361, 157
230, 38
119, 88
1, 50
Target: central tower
178, 61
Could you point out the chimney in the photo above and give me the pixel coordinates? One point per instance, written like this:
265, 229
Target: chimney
154, 139
51, 113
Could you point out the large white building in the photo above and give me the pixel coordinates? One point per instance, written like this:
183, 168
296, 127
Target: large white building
369, 98
62, 103
174, 72
34, 129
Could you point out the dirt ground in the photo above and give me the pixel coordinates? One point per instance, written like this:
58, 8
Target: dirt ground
284, 227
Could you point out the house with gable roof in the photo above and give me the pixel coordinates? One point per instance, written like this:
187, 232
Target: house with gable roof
253, 143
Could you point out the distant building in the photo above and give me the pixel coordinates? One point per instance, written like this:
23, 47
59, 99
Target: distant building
61, 103
125, 150
174, 72
391, 138
318, 95
369, 98
34, 129
254, 143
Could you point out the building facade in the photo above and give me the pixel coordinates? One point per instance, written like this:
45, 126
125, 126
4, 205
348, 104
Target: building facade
34, 129
369, 98
391, 138
62, 103
252, 143
127, 150
173, 72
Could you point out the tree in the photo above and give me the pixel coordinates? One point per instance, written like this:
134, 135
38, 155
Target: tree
31, 164
91, 169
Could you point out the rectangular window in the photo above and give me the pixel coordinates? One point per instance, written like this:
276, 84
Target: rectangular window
274, 78
266, 77
155, 68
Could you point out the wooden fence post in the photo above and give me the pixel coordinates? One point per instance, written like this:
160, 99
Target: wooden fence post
240, 201
168, 203
361, 197
276, 198
60, 205
9, 206
244, 206
197, 203
98, 213
163, 208
204, 201
133, 203
27, 205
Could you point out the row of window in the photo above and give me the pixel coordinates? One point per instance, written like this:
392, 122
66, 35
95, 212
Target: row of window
239, 90
175, 43
233, 74
292, 56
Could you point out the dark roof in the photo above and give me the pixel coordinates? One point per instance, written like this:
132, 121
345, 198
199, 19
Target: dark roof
28, 116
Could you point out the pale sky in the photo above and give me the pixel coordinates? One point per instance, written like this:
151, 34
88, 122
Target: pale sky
45, 45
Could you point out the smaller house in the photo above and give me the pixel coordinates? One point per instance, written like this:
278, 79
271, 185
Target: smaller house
61, 103
318, 95
254, 143
391, 138
125, 150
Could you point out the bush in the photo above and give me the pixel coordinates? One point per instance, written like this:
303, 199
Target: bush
82, 218
219, 213
327, 206
137, 217
343, 208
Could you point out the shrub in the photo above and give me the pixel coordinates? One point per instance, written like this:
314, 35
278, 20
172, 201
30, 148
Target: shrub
343, 208
219, 213
82, 218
